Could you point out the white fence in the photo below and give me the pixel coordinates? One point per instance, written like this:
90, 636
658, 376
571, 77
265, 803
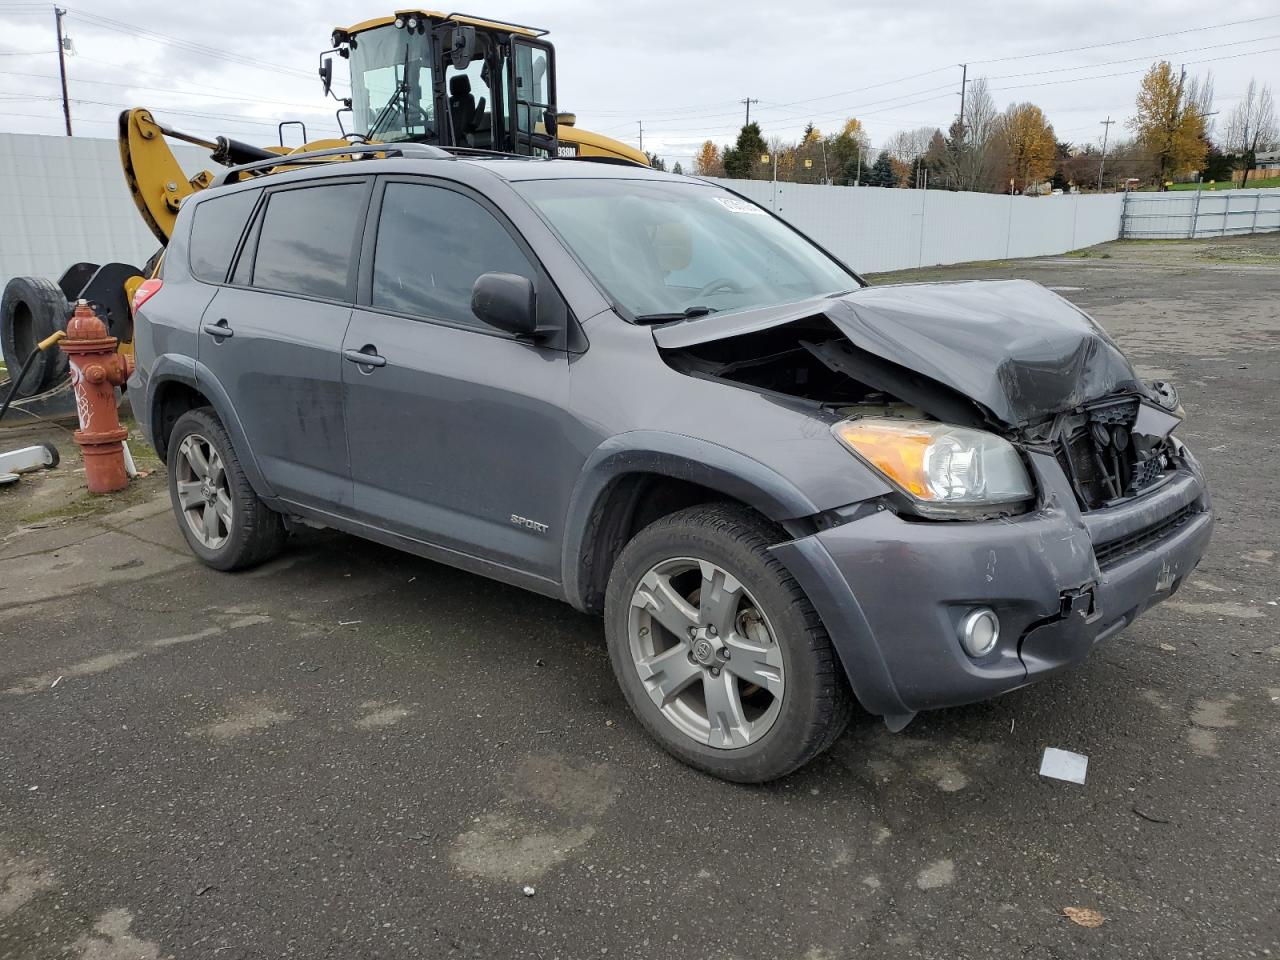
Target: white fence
63, 200
1200, 213
873, 229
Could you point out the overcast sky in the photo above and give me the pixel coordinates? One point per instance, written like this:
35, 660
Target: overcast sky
237, 67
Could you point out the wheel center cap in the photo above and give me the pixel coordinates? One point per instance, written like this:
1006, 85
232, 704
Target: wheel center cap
208, 491
704, 651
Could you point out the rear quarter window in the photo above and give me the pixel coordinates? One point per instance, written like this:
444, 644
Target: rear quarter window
216, 227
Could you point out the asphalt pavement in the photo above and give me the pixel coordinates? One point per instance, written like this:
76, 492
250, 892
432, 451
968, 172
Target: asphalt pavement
354, 753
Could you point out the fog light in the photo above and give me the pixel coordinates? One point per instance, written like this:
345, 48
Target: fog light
979, 631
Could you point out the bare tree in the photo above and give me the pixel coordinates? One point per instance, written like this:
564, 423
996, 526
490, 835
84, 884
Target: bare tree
1251, 126
971, 139
1199, 94
907, 146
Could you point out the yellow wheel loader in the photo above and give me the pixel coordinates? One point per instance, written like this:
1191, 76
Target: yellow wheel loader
452, 80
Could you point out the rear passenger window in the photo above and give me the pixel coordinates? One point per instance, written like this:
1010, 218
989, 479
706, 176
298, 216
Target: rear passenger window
432, 244
306, 240
215, 231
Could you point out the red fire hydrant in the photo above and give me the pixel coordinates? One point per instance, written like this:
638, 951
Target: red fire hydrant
96, 370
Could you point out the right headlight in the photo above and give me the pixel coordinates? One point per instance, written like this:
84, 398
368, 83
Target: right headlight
944, 469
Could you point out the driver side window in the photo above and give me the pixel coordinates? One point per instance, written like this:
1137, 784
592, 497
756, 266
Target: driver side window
431, 245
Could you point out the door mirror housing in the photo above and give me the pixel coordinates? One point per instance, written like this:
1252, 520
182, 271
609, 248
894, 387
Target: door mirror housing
508, 302
326, 75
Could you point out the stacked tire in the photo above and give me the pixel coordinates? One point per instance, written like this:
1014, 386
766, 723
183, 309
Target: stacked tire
32, 309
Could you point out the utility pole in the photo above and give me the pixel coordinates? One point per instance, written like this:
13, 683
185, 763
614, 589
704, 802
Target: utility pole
641, 122
748, 102
964, 83
1102, 164
826, 178
58, 14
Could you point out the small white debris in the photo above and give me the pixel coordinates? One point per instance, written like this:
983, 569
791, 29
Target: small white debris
529, 891
55, 683
33, 788
349, 623
1168, 648
1064, 765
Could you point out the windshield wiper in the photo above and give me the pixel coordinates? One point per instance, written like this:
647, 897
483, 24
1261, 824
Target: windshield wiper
688, 313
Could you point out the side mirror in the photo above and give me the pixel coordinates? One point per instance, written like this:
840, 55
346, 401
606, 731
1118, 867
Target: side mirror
326, 74
506, 301
462, 50
550, 121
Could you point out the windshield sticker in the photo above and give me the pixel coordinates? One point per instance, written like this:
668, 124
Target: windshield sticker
737, 205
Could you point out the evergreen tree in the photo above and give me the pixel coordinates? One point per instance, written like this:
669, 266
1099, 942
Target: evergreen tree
882, 173
656, 161
677, 169
743, 158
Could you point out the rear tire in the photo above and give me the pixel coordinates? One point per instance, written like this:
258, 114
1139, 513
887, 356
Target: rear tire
31, 309
224, 522
752, 699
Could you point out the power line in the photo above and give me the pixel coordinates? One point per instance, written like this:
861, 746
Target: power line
143, 33
1115, 43
198, 94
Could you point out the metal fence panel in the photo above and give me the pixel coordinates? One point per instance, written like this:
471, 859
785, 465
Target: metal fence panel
876, 230
1189, 214
64, 200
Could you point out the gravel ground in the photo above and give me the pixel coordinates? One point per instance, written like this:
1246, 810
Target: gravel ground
355, 753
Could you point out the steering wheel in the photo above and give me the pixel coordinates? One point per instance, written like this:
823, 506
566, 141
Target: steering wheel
728, 284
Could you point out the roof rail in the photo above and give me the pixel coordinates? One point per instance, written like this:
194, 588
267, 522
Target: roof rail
417, 151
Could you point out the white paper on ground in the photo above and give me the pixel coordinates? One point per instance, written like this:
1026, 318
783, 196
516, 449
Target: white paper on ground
1064, 765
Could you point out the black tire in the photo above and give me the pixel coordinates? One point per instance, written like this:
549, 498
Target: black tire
256, 533
31, 309
816, 703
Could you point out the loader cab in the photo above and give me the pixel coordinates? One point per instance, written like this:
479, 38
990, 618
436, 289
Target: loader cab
451, 80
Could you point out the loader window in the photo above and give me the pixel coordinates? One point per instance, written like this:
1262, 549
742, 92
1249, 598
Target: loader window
432, 244
306, 241
391, 87
215, 232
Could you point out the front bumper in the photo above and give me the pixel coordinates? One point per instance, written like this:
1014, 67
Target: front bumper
892, 592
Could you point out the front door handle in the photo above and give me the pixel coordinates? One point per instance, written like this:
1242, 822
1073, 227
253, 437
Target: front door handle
366, 356
219, 330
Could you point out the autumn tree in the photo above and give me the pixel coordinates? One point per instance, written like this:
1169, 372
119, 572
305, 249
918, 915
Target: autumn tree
707, 163
971, 142
1251, 127
849, 151
1167, 125
1027, 145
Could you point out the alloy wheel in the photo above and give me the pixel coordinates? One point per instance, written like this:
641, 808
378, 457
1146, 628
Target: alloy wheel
203, 494
705, 653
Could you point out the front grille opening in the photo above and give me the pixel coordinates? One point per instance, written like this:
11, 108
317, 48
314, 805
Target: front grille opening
1100, 456
1113, 551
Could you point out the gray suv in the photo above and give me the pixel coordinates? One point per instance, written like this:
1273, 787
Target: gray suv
784, 489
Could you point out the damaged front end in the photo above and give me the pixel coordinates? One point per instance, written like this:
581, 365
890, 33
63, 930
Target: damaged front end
1008, 357
1114, 515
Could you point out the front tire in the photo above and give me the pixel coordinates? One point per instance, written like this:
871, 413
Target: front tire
224, 522
718, 650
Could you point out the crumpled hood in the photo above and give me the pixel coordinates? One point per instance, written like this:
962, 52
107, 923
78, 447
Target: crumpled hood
1016, 348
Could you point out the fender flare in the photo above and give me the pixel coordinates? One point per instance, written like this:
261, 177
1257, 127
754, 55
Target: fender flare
671, 455
192, 373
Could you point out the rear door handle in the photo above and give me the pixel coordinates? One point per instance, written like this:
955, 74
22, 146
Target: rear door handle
366, 356
220, 330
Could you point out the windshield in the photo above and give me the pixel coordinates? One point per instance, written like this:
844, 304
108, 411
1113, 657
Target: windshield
391, 93
664, 250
